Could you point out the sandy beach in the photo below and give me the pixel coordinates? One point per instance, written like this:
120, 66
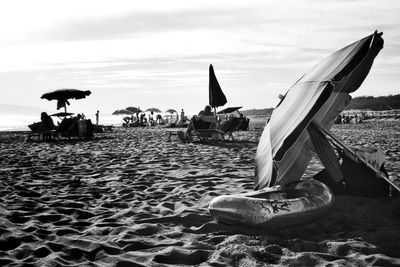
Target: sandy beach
132, 198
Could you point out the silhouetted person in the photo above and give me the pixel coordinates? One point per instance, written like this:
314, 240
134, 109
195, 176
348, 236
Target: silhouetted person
207, 111
97, 118
47, 121
182, 115
48, 125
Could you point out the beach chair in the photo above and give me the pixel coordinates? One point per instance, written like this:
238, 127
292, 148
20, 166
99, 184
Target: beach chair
244, 124
42, 132
230, 126
206, 128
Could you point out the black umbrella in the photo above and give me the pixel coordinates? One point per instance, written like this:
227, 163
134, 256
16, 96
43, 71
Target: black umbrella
317, 98
229, 110
216, 96
62, 96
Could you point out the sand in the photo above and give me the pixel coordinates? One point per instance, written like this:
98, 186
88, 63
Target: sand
131, 198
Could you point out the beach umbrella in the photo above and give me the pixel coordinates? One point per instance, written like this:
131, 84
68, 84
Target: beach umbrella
215, 95
171, 111
62, 114
229, 110
133, 109
156, 110
62, 96
122, 112
285, 149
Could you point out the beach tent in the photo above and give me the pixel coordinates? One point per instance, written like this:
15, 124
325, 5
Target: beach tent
216, 96
285, 147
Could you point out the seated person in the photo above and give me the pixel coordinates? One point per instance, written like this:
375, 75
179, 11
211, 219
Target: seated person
47, 121
231, 125
207, 111
142, 120
159, 119
151, 119
126, 121
47, 124
200, 121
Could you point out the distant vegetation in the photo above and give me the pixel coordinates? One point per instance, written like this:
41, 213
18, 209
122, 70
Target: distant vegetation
363, 102
375, 103
257, 112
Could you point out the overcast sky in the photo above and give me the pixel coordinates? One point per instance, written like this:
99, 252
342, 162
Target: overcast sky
157, 53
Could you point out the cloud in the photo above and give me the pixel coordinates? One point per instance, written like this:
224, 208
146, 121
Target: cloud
130, 24
131, 51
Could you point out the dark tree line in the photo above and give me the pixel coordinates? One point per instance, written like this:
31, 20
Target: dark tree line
375, 103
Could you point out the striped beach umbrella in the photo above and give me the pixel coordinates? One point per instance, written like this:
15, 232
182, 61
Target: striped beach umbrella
285, 147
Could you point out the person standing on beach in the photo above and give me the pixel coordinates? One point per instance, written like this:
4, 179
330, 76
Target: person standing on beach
182, 115
97, 118
137, 113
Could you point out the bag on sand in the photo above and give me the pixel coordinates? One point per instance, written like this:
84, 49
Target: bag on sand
359, 180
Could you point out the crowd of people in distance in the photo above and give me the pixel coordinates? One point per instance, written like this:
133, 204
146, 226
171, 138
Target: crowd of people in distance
206, 119
141, 120
345, 119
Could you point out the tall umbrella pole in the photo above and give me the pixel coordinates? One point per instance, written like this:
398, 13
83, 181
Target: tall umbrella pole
217, 118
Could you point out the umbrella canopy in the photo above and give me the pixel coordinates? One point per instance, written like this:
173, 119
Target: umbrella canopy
229, 110
133, 109
216, 97
171, 111
62, 114
285, 149
62, 96
122, 112
156, 110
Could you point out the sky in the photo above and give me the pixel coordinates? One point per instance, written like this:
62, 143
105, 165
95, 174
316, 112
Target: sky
157, 53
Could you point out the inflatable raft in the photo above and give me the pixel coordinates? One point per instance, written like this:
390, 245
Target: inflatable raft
275, 207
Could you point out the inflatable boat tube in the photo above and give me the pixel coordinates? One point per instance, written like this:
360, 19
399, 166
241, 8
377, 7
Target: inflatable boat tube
275, 207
